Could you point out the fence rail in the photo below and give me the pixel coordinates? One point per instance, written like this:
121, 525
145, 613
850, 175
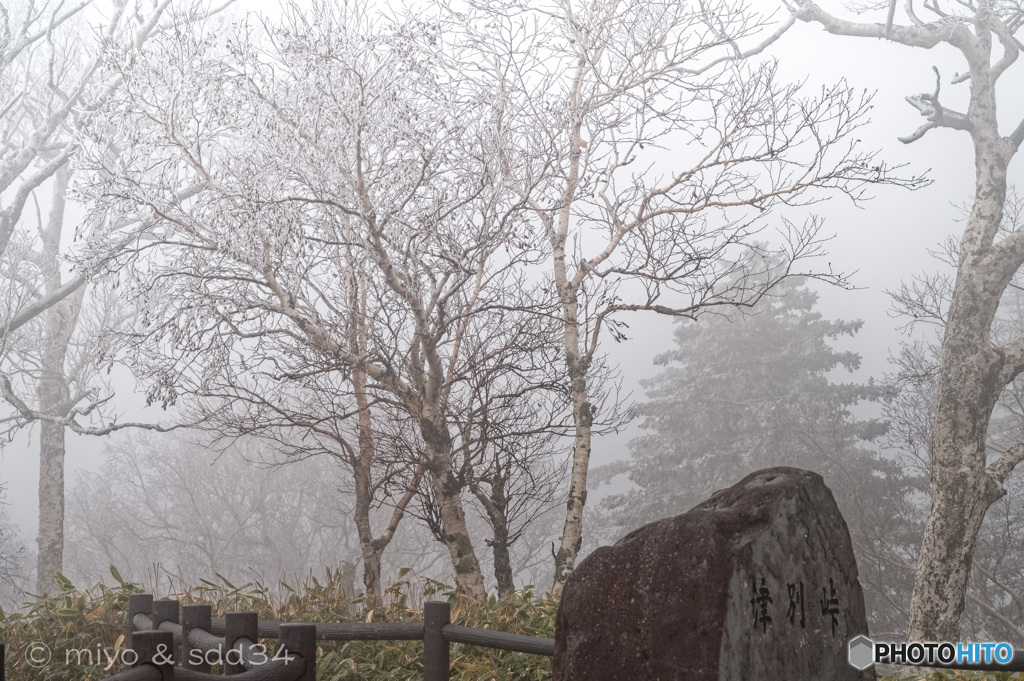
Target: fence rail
172, 647
196, 633
383, 631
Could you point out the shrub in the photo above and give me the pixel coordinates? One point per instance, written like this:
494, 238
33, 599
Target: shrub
95, 619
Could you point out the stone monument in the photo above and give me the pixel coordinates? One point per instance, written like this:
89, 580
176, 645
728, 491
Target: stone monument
757, 583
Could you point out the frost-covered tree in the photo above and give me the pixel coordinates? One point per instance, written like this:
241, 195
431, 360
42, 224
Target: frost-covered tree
46, 76
352, 228
974, 367
51, 80
742, 392
651, 146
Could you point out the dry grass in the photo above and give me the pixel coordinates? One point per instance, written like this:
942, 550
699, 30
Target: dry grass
95, 618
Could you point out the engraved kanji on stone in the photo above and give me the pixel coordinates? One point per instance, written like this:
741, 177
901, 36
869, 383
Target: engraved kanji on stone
830, 603
759, 604
796, 599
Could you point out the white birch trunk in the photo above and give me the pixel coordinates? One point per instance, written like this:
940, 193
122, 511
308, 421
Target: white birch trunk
52, 393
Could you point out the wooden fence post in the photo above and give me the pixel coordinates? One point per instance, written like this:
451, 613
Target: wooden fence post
138, 604
154, 647
299, 639
194, 617
166, 610
436, 658
236, 626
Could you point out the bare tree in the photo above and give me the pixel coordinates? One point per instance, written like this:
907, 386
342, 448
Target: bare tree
509, 432
515, 483
326, 142
51, 78
278, 395
164, 500
13, 554
652, 152
974, 368
44, 82
39, 361
323, 415
994, 587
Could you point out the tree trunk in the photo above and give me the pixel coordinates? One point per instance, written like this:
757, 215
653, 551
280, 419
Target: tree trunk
368, 548
50, 556
362, 467
576, 361
52, 393
502, 562
572, 529
961, 488
469, 580
496, 506
944, 562
971, 378
362, 462
371, 574
583, 417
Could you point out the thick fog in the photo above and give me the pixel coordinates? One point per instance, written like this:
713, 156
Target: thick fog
298, 517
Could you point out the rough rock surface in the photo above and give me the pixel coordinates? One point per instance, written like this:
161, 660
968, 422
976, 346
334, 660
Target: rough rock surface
759, 582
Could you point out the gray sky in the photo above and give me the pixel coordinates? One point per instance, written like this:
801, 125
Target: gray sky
886, 241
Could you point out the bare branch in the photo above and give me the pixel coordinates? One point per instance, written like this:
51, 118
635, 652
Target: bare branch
938, 117
922, 35
992, 612
33, 310
28, 414
1000, 469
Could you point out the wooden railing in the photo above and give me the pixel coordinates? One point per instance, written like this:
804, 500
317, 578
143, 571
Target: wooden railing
167, 648
171, 648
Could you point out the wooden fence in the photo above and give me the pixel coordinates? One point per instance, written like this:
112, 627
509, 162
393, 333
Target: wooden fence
155, 628
159, 640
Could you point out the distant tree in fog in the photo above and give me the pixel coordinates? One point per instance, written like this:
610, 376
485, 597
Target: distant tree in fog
974, 367
162, 501
742, 392
14, 569
747, 391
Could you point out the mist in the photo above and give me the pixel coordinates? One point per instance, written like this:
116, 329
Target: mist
247, 297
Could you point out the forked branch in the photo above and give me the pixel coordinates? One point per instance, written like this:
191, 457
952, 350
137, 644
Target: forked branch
938, 116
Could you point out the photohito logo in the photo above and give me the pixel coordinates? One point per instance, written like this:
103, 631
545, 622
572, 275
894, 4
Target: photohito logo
864, 652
